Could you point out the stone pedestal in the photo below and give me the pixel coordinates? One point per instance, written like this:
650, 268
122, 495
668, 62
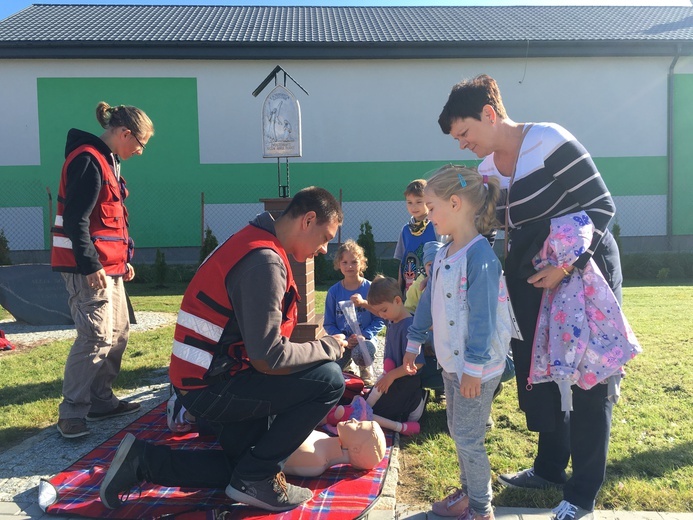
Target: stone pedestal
309, 325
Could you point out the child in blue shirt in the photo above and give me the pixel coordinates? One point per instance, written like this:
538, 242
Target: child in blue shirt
351, 260
397, 395
415, 233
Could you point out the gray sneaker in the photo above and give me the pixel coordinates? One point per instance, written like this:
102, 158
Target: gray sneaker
72, 428
272, 494
567, 511
527, 479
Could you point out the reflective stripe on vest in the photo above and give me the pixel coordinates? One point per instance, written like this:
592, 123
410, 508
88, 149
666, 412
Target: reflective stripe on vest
62, 242
196, 356
202, 327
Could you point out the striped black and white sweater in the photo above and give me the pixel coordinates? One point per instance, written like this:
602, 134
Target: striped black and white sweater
555, 175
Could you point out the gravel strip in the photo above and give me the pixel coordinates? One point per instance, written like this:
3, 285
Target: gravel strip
22, 334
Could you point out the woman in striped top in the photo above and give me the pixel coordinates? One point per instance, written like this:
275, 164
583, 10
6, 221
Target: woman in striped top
546, 173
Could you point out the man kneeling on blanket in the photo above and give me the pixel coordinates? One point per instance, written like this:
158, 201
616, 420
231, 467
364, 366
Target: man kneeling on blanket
234, 366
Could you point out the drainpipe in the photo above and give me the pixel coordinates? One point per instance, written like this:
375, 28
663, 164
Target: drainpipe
670, 150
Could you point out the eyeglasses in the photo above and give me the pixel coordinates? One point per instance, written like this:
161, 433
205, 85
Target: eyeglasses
138, 141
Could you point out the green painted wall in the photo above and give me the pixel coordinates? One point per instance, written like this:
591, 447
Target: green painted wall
169, 165
683, 155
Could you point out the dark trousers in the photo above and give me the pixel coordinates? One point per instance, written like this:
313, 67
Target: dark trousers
582, 434
253, 447
402, 398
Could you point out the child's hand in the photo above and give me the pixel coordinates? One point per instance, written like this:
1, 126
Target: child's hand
358, 300
352, 341
383, 384
470, 387
409, 363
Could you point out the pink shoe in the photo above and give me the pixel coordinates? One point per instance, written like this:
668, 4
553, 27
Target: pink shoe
331, 418
388, 364
410, 428
455, 504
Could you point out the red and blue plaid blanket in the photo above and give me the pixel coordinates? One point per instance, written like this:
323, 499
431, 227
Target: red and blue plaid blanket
341, 493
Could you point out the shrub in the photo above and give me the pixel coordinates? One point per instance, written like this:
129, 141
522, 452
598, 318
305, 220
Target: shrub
323, 269
160, 269
367, 242
4, 249
660, 266
209, 244
616, 232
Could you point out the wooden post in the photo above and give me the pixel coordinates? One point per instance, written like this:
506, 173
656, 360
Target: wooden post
309, 323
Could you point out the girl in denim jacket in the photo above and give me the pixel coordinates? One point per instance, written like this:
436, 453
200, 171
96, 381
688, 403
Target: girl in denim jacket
468, 308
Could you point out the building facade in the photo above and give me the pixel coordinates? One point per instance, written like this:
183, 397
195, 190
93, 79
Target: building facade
369, 111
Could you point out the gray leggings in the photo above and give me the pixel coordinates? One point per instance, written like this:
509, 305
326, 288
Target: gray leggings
467, 426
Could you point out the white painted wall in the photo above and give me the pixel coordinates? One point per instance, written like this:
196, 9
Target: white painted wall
375, 110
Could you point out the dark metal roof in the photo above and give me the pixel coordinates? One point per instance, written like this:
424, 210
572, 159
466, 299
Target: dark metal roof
242, 32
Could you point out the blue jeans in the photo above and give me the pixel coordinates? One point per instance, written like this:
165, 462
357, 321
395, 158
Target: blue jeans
467, 425
239, 409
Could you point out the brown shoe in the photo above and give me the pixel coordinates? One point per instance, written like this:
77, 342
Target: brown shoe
123, 408
455, 504
72, 428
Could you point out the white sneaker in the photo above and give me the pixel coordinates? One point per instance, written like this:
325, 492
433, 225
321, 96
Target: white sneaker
175, 415
419, 410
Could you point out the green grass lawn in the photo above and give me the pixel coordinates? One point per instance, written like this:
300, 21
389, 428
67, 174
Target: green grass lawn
651, 456
651, 452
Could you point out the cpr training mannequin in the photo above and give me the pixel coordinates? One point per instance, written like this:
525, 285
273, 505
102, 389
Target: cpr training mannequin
360, 443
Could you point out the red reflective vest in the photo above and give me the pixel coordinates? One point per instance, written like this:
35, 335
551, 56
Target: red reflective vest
108, 222
206, 313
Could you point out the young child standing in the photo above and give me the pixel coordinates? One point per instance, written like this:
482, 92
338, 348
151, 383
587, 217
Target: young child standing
351, 260
418, 231
397, 395
468, 307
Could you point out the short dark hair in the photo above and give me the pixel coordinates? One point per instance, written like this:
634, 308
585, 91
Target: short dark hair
383, 289
468, 98
415, 188
316, 199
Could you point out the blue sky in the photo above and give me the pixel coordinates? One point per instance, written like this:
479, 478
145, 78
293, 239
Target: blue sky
8, 7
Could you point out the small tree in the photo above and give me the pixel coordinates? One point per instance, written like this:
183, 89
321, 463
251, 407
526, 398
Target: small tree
616, 232
209, 244
320, 267
160, 269
4, 249
367, 242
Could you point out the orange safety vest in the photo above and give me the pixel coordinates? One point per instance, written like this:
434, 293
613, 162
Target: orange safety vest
108, 222
199, 351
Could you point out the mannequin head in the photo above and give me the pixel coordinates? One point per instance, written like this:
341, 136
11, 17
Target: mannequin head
364, 440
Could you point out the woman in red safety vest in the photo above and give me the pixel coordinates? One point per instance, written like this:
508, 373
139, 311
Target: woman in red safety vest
92, 249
